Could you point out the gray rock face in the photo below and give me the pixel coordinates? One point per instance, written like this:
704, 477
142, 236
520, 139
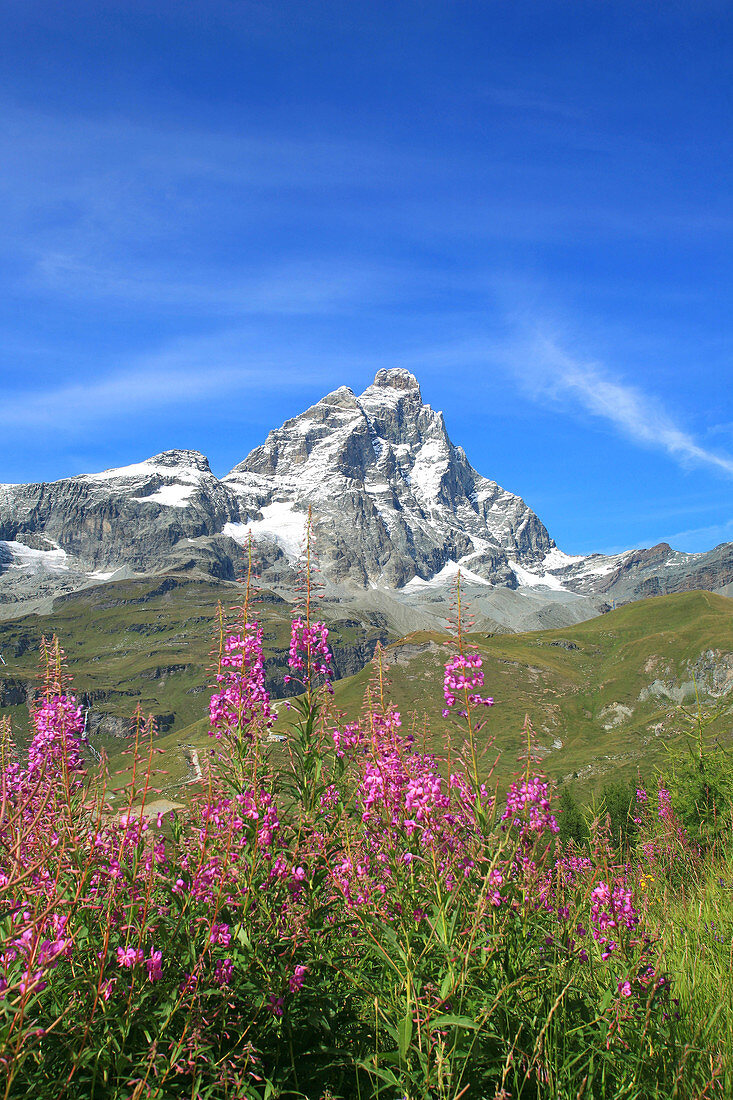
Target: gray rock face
397, 509
130, 517
393, 499
637, 574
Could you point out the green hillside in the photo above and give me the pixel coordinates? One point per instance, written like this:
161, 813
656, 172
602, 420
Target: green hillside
603, 696
148, 642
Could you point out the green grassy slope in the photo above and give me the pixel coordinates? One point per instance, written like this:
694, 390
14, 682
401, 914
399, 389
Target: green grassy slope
595, 692
581, 686
148, 642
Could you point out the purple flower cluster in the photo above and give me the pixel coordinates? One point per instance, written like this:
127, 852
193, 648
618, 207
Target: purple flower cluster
309, 651
664, 800
297, 978
242, 704
29, 957
58, 726
256, 895
464, 673
528, 807
612, 908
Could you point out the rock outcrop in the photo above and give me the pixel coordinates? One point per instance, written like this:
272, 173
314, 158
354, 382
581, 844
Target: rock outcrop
397, 509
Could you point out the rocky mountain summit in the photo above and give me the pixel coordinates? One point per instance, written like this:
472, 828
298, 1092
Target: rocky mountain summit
397, 510
393, 499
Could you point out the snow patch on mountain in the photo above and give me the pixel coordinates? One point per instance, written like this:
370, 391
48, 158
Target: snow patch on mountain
558, 559
281, 523
396, 507
184, 467
25, 557
598, 565
445, 576
171, 496
527, 579
104, 574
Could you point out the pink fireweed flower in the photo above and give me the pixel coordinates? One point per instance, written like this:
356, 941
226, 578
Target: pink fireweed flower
32, 982
154, 965
297, 978
50, 951
129, 956
624, 989
612, 907
309, 649
220, 934
242, 701
223, 972
665, 804
58, 726
464, 672
330, 797
351, 737
528, 807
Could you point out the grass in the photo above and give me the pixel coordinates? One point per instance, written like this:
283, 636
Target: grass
567, 692
696, 918
148, 643
330, 922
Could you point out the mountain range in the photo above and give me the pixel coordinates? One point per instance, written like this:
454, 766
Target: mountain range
397, 511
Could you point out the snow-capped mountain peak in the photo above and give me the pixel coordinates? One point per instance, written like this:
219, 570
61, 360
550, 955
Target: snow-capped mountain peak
396, 506
393, 498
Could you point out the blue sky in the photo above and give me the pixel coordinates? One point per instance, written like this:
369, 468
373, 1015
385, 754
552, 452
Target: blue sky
212, 213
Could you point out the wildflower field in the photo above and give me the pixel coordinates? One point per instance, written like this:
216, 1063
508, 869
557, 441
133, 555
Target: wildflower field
346, 914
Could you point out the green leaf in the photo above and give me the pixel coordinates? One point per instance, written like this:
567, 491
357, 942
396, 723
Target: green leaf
404, 1034
446, 985
383, 1073
453, 1021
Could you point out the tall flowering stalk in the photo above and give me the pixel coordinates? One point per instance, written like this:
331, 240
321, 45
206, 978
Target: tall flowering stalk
462, 680
309, 657
310, 664
239, 710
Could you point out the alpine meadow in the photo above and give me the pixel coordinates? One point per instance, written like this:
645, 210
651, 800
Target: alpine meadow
366, 550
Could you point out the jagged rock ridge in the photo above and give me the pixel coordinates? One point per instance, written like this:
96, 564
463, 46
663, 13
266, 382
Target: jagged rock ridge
393, 499
397, 510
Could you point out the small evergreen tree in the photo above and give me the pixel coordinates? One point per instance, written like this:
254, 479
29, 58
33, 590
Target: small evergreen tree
700, 777
617, 800
571, 820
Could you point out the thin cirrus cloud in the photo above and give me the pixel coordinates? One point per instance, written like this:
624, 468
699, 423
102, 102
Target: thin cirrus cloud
148, 187
183, 375
312, 288
706, 536
545, 370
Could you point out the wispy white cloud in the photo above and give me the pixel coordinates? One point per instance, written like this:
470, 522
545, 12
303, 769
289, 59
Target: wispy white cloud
81, 196
699, 538
547, 371
312, 287
533, 103
201, 370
